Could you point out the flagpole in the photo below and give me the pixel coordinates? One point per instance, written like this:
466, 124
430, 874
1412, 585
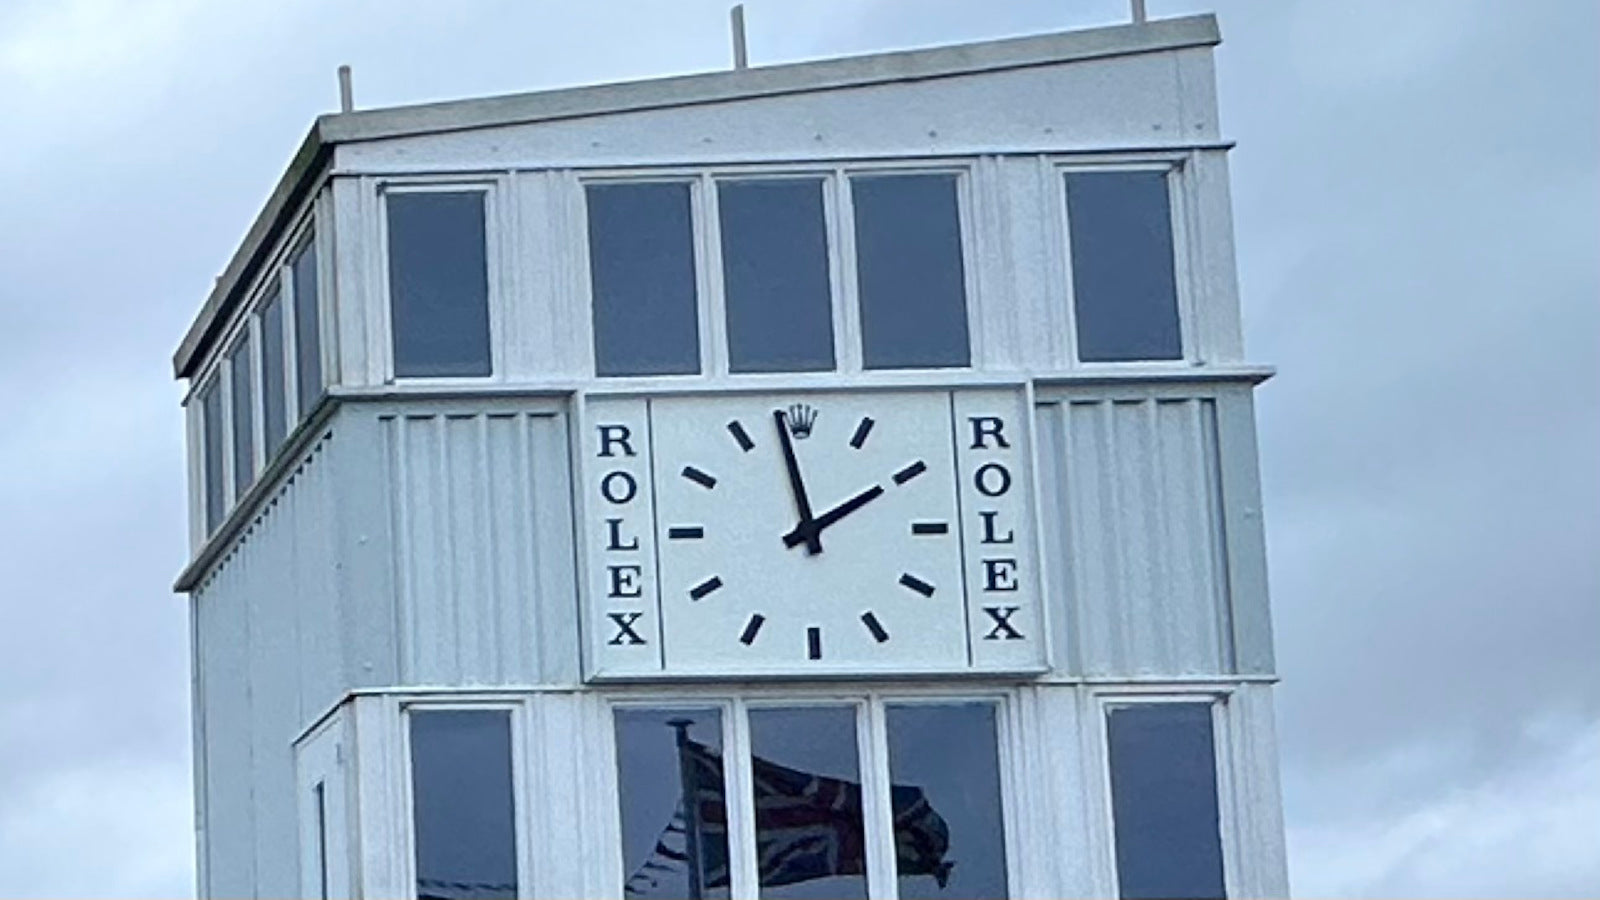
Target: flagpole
691, 807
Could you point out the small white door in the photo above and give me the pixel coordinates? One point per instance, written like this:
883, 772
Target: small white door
323, 793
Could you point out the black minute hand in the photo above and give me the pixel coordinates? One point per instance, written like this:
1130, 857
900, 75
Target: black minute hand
811, 536
811, 530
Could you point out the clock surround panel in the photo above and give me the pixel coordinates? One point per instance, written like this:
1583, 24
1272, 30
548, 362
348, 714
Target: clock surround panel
806, 533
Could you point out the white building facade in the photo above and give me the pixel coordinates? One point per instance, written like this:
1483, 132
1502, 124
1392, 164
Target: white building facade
821, 480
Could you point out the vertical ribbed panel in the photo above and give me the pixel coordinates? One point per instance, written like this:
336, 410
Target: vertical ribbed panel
1138, 561
269, 658
474, 510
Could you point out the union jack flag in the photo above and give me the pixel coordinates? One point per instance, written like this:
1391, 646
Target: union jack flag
807, 826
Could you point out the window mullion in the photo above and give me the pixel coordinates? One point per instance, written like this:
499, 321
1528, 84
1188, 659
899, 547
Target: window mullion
712, 304
744, 877
846, 303
877, 810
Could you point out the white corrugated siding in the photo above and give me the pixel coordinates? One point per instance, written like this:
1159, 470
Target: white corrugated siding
1139, 580
269, 659
481, 523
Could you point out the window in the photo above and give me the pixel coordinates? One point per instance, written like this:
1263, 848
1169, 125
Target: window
244, 434
438, 284
463, 803
909, 273
642, 274
211, 450
1125, 298
274, 418
804, 763
944, 761
664, 756
775, 275
805, 828
1164, 801
307, 326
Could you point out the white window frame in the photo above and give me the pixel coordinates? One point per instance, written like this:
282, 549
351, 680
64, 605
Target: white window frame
496, 233
707, 254
1180, 204
872, 748
839, 221
517, 712
1222, 759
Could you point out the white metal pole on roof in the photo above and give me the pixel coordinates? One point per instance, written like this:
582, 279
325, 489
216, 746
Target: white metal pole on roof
347, 97
1138, 11
741, 57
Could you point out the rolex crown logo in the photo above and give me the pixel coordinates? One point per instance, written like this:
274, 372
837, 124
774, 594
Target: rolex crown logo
801, 417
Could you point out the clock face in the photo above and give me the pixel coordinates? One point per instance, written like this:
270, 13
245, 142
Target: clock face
818, 532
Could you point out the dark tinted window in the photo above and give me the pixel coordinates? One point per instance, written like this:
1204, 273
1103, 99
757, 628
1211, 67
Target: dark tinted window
945, 768
670, 848
244, 445
641, 268
463, 806
909, 272
211, 450
1164, 801
307, 330
1124, 292
807, 778
775, 275
274, 420
438, 284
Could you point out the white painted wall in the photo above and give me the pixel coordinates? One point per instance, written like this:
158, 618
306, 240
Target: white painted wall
267, 662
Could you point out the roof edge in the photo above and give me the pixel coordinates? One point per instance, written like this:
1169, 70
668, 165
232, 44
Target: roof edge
763, 81
328, 130
305, 167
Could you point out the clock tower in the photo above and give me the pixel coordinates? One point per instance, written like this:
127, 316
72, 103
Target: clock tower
832, 479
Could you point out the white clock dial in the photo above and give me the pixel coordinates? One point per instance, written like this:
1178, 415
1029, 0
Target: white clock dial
808, 531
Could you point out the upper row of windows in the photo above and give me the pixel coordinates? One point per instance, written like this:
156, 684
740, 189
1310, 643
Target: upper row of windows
779, 294
271, 375
781, 270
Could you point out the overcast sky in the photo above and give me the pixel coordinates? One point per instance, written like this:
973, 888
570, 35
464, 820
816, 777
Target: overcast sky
1418, 215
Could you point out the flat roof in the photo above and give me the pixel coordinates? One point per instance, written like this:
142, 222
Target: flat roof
311, 160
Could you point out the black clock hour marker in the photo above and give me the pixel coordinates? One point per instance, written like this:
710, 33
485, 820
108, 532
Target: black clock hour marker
740, 435
910, 472
874, 626
699, 591
862, 430
917, 584
814, 642
750, 629
699, 477
686, 532
930, 527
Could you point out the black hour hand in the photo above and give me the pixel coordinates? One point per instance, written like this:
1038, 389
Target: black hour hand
810, 530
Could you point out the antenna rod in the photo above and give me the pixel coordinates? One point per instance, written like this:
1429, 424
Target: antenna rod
1138, 11
741, 57
347, 100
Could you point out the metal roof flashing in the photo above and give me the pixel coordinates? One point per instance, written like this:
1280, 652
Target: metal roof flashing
311, 159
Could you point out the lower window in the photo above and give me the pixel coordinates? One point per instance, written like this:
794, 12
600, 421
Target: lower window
463, 804
1164, 801
814, 819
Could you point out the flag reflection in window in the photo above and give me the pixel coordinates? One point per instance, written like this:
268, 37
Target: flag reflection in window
664, 757
949, 751
810, 839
